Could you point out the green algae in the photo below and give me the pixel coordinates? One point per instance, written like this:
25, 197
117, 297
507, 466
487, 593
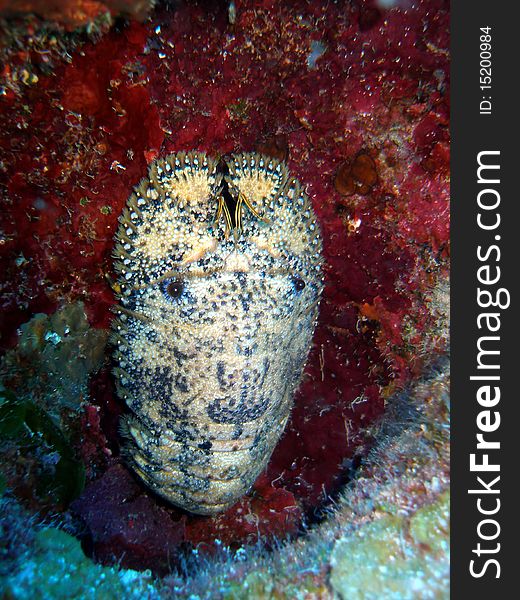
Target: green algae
264, 585
53, 359
43, 389
395, 557
27, 432
57, 569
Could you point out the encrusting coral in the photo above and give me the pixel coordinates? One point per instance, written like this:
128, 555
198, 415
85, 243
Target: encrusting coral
44, 390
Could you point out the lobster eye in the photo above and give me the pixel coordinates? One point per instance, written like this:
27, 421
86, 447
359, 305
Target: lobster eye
299, 284
174, 288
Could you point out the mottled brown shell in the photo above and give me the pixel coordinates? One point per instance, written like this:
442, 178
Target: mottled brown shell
214, 326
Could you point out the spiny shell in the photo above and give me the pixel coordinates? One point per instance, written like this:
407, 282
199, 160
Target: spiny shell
212, 331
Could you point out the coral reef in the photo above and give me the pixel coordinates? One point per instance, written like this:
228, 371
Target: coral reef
71, 14
53, 359
387, 535
44, 383
412, 554
40, 465
55, 567
355, 97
